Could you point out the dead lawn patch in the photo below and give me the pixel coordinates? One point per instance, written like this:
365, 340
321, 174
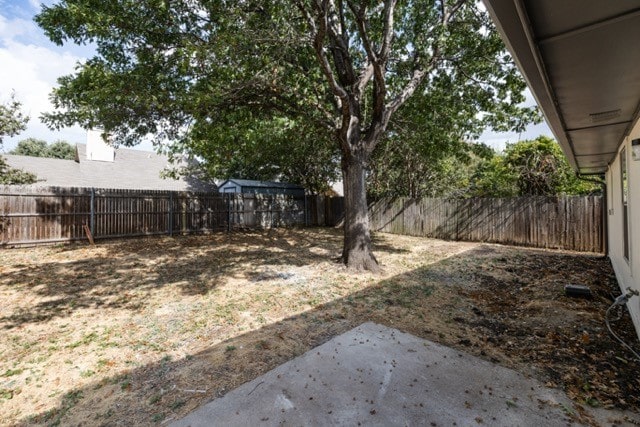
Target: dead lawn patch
143, 331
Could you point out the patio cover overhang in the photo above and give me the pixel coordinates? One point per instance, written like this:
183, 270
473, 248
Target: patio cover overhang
581, 59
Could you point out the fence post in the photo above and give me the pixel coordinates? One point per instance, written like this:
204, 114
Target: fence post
183, 227
228, 212
170, 214
306, 211
92, 208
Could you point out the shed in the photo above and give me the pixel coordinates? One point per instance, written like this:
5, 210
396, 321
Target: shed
247, 186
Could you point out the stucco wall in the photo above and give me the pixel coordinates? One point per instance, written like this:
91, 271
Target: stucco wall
627, 271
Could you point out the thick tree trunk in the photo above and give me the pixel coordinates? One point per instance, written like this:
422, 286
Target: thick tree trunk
356, 252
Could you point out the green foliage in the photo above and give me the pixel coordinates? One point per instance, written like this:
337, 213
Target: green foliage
38, 148
529, 168
262, 150
11, 176
493, 179
31, 147
424, 154
240, 84
542, 169
61, 150
12, 120
425, 170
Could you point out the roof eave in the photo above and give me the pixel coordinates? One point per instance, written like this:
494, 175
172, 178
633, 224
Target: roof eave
510, 18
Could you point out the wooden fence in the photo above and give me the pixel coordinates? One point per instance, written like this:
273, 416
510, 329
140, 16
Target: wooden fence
571, 223
48, 215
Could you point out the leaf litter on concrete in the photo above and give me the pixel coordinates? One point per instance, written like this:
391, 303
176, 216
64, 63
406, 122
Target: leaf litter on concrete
143, 331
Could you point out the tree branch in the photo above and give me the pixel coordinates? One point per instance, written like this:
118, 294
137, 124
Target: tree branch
454, 9
377, 62
363, 28
420, 72
387, 33
319, 36
409, 89
365, 75
340, 43
343, 22
368, 69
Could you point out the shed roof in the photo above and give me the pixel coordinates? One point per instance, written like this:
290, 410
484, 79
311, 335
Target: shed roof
262, 184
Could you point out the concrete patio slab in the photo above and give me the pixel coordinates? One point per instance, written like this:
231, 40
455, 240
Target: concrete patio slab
377, 376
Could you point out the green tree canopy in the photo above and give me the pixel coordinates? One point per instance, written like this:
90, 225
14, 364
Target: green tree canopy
424, 170
263, 150
38, 148
61, 150
530, 168
13, 176
284, 86
12, 122
31, 147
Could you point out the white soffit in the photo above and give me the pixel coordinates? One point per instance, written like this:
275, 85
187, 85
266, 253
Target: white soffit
581, 59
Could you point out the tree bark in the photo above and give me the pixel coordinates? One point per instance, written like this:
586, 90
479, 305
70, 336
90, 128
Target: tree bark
357, 253
332, 43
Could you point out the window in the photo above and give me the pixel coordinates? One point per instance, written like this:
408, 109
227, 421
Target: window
625, 203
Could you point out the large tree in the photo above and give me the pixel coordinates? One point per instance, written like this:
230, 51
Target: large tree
338, 72
61, 150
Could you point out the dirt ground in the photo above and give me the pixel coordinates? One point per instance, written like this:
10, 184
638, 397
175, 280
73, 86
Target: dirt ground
140, 332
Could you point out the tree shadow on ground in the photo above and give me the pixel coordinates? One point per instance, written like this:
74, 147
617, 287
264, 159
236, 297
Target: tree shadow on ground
479, 301
122, 274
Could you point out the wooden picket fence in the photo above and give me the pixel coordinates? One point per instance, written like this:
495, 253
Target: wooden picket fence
571, 222
48, 214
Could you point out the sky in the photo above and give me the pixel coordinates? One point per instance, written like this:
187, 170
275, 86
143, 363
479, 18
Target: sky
30, 65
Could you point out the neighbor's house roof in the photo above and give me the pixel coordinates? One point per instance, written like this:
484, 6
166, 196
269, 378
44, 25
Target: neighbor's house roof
581, 59
131, 169
261, 184
50, 172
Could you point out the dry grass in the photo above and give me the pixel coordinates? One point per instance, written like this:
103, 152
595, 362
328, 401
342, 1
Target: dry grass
142, 331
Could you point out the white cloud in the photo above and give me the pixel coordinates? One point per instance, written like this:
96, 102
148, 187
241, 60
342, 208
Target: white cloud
10, 29
31, 65
31, 70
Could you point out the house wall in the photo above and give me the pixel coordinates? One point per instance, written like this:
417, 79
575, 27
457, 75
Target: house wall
627, 271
